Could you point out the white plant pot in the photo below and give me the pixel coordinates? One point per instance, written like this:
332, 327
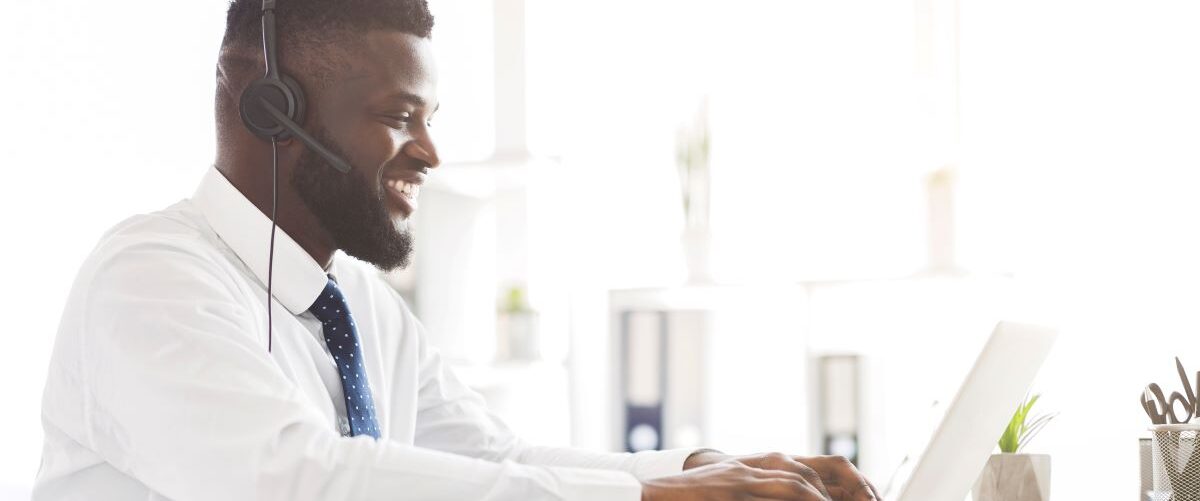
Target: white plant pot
1014, 477
696, 246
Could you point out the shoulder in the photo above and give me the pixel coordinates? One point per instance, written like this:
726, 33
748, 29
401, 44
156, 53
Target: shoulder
177, 226
172, 244
152, 274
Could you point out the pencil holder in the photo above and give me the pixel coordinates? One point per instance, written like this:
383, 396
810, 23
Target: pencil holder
1175, 455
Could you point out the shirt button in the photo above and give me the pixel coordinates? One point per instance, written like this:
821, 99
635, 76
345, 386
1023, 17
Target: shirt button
344, 425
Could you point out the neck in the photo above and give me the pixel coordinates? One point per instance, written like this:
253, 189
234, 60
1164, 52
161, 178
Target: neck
251, 175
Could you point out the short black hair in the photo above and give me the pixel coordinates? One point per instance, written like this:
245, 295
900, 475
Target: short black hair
304, 22
312, 33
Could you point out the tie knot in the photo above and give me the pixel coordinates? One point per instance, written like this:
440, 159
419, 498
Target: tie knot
330, 304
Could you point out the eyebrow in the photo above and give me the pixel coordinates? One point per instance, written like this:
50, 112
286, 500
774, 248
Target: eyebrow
408, 96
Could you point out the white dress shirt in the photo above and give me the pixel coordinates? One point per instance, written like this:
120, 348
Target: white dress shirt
161, 386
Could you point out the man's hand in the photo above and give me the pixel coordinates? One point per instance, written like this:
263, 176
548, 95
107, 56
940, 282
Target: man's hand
835, 474
734, 481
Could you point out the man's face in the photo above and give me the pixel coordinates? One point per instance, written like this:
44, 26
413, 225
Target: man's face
376, 117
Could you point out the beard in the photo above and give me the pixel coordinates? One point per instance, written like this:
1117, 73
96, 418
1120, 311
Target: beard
351, 209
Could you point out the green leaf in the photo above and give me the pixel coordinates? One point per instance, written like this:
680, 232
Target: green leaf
1020, 428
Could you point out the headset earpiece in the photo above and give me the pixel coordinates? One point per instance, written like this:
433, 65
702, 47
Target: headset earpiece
272, 107
284, 94
274, 89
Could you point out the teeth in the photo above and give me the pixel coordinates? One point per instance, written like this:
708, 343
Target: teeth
409, 190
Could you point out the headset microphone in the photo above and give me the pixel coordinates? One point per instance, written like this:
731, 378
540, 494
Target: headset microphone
272, 108
305, 137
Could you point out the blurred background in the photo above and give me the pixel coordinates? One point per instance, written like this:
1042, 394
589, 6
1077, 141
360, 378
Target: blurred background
753, 226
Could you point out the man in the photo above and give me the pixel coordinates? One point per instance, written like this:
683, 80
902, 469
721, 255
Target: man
171, 379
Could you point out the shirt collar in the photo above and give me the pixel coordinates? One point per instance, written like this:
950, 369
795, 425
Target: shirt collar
298, 279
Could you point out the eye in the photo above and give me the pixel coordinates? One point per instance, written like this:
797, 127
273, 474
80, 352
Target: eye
396, 121
401, 120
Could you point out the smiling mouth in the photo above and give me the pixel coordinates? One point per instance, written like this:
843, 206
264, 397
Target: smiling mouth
404, 194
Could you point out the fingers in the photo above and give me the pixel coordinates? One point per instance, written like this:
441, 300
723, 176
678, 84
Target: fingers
837, 493
798, 482
863, 492
760, 498
782, 462
736, 480
845, 482
874, 491
813, 479
794, 488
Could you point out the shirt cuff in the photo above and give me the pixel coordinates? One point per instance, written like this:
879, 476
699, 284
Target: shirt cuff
654, 464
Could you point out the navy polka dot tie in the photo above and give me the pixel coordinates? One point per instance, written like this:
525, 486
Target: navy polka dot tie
342, 338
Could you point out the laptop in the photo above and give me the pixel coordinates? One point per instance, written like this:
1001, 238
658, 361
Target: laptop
967, 435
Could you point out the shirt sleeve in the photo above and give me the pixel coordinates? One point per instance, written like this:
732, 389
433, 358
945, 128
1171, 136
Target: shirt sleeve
454, 418
182, 395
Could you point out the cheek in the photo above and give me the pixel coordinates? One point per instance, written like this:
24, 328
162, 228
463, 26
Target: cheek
372, 147
395, 140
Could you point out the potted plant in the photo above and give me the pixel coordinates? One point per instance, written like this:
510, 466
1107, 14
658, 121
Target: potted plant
1012, 475
516, 329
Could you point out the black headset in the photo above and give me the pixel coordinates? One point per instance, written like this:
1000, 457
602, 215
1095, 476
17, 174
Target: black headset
272, 107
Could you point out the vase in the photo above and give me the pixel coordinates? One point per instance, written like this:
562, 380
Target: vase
1014, 477
1175, 453
696, 244
517, 337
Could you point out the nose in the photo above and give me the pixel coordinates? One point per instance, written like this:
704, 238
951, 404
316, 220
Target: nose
423, 150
